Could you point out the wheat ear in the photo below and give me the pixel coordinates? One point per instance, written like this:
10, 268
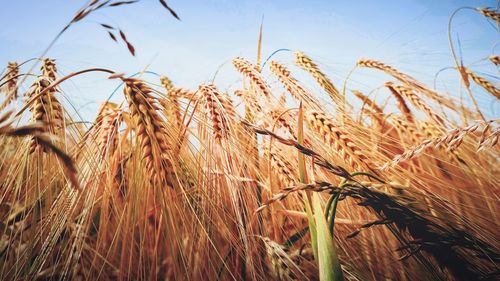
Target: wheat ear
308, 65
450, 140
338, 138
401, 103
214, 109
111, 118
487, 85
10, 89
293, 86
415, 100
495, 59
368, 102
171, 103
246, 68
281, 265
47, 108
283, 168
411, 82
150, 128
489, 13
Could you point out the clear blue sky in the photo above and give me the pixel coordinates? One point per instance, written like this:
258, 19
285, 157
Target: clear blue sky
411, 35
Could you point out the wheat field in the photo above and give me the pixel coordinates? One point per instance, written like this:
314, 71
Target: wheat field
266, 182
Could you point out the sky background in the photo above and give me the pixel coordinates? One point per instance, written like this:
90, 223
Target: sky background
410, 35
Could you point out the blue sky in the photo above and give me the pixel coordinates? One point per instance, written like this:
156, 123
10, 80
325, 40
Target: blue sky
411, 35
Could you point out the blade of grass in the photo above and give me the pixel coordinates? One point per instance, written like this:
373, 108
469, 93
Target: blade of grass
328, 263
303, 179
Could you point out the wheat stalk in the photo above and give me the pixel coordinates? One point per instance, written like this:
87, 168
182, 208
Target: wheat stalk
283, 168
215, 110
150, 128
246, 68
432, 131
489, 13
308, 65
369, 63
38, 133
181, 93
495, 59
10, 89
450, 140
407, 129
293, 86
284, 192
281, 265
401, 103
253, 109
487, 85
374, 111
415, 100
49, 69
46, 108
171, 103
166, 83
340, 140
111, 119
369, 102
278, 117
411, 82
318, 159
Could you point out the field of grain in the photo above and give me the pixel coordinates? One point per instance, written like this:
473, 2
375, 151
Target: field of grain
266, 182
